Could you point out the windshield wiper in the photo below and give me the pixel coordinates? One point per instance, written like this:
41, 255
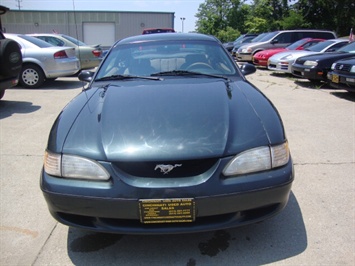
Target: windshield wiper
186, 73
123, 77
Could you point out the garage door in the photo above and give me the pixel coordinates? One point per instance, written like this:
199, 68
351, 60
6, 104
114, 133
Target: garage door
99, 33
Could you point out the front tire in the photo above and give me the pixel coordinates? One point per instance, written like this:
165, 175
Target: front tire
31, 76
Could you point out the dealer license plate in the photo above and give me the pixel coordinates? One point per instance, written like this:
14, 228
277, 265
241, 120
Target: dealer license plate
335, 78
167, 211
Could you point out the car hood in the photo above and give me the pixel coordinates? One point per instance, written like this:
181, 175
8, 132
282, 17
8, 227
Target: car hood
333, 56
350, 61
162, 120
269, 52
294, 54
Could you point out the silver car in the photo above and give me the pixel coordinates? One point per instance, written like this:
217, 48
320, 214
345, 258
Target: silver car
282, 62
89, 55
43, 61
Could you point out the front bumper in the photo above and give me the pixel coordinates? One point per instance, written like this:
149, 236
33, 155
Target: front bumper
342, 82
219, 202
308, 73
8, 83
279, 66
244, 57
260, 62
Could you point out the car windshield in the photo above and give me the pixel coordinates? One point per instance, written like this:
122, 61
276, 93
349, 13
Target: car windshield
259, 37
268, 36
36, 41
167, 58
349, 48
320, 46
294, 45
73, 40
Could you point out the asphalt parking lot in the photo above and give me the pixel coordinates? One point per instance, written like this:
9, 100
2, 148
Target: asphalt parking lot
316, 227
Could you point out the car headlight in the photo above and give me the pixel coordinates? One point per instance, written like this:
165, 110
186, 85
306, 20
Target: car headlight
333, 66
287, 57
258, 159
246, 50
310, 63
71, 166
352, 70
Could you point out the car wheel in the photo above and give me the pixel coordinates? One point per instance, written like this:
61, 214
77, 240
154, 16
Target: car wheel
31, 76
10, 58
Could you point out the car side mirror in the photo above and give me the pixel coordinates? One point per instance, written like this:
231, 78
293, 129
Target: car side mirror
274, 41
86, 76
248, 69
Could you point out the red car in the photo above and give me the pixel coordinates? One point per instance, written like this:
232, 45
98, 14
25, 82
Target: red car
261, 58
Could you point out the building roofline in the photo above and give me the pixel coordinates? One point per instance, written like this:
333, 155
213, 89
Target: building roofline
92, 11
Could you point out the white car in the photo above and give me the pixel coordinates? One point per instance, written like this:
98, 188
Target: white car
90, 56
282, 62
42, 61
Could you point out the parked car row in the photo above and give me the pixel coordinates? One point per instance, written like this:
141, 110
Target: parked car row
261, 58
308, 54
318, 63
244, 38
89, 55
49, 56
283, 61
279, 39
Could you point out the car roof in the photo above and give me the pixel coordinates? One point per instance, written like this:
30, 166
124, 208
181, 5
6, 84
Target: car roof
49, 34
168, 37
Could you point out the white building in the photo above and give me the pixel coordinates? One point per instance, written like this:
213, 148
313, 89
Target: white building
91, 27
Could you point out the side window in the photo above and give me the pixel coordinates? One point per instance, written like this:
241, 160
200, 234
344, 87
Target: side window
298, 36
324, 35
306, 45
335, 47
285, 37
55, 41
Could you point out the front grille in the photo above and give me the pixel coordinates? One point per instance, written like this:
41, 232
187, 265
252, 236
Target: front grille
201, 223
159, 169
284, 67
343, 67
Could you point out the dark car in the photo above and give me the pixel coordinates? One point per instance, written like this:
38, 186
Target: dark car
168, 137
10, 61
342, 74
241, 42
241, 39
315, 67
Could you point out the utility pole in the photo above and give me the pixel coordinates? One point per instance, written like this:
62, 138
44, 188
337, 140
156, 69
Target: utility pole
182, 24
19, 4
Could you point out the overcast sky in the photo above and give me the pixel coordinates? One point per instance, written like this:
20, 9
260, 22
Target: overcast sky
182, 8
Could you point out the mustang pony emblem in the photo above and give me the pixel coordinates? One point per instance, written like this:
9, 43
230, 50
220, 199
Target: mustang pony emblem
166, 168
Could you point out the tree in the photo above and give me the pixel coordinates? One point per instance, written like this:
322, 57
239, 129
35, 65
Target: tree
212, 16
228, 34
238, 15
227, 17
294, 21
338, 16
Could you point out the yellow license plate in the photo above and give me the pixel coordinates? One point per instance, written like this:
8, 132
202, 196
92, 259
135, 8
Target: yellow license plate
167, 211
335, 78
